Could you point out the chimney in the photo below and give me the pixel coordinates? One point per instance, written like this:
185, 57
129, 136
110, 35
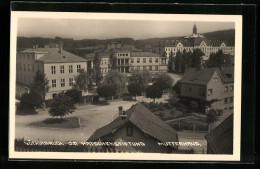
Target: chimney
60, 49
120, 110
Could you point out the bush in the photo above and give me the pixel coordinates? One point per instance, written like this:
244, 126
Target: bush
28, 103
75, 95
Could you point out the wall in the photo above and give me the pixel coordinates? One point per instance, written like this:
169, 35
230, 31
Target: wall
58, 76
138, 136
193, 90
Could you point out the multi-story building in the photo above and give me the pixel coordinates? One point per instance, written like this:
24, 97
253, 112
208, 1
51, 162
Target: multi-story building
127, 61
209, 85
195, 41
59, 66
148, 61
104, 61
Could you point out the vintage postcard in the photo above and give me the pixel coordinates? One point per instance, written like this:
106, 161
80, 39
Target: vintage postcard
121, 86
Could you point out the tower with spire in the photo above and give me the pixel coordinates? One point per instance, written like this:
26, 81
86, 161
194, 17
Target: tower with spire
194, 29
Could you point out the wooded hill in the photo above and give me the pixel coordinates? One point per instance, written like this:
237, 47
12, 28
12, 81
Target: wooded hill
92, 44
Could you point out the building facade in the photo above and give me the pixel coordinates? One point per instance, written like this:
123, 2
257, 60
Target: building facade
59, 66
210, 85
127, 61
195, 41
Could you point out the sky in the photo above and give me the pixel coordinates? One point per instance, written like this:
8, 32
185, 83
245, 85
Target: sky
107, 29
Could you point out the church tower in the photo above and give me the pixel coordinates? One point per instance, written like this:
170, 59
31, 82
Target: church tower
194, 29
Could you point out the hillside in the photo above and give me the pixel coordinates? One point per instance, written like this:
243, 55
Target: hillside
90, 45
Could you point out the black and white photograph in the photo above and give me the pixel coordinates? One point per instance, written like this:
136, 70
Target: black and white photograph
120, 86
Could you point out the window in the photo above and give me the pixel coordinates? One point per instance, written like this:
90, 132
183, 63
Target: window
25, 78
150, 68
215, 79
62, 69
129, 131
24, 68
138, 67
70, 69
138, 60
226, 100
28, 56
70, 81
33, 68
53, 83
231, 88
144, 60
62, 82
156, 60
132, 60
210, 91
156, 67
78, 68
144, 67
20, 66
226, 89
150, 60
53, 70
126, 54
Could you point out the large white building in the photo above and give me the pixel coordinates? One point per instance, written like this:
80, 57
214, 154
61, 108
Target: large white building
194, 41
59, 66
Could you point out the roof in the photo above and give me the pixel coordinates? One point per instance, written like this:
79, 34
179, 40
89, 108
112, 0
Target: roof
144, 54
101, 55
203, 76
221, 138
52, 55
143, 119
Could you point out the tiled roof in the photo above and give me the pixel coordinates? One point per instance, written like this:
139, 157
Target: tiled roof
52, 55
203, 76
143, 119
220, 139
101, 55
144, 54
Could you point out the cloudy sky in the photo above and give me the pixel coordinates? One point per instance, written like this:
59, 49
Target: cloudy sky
106, 29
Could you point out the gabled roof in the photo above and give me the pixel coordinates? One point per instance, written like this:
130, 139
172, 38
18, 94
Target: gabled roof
221, 138
52, 55
203, 76
143, 119
144, 54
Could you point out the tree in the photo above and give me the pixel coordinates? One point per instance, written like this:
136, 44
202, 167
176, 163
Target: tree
183, 61
112, 61
153, 93
61, 106
81, 81
116, 80
135, 89
75, 95
177, 61
196, 58
29, 101
40, 84
211, 117
97, 69
163, 82
218, 59
171, 62
140, 77
105, 90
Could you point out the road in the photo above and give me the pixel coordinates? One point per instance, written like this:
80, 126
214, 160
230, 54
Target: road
92, 117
